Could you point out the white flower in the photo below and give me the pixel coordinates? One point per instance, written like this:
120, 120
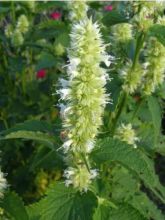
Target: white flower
67, 145
3, 184
64, 93
94, 173
127, 134
64, 83
80, 177
107, 60
89, 146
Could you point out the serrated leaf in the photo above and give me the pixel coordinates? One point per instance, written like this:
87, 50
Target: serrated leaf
114, 17
123, 184
155, 110
147, 140
110, 150
125, 212
64, 203
125, 188
13, 204
158, 31
103, 210
146, 207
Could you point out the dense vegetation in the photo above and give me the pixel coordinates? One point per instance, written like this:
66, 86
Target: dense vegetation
101, 157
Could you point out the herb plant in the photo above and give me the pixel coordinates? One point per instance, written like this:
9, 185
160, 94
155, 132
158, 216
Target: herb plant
82, 86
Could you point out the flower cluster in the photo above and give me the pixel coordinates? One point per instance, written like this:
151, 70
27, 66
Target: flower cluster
122, 32
147, 11
132, 77
31, 5
85, 95
127, 134
85, 89
154, 66
80, 177
17, 34
3, 184
79, 10
22, 24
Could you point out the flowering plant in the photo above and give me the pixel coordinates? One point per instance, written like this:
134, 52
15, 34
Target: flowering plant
87, 79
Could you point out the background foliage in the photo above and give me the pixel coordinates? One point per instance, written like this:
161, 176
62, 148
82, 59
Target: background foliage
132, 186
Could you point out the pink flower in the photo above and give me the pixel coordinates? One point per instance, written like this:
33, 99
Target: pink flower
55, 15
41, 74
108, 7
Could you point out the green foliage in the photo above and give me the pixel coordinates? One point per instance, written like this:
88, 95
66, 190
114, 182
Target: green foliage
110, 150
125, 212
158, 31
65, 203
39, 136
13, 204
114, 18
103, 211
155, 110
128, 186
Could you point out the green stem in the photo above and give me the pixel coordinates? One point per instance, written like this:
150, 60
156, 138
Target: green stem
85, 162
13, 12
123, 98
118, 111
139, 44
5, 123
137, 109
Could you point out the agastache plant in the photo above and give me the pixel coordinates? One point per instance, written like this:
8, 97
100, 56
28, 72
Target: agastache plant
85, 96
127, 134
17, 33
3, 183
154, 66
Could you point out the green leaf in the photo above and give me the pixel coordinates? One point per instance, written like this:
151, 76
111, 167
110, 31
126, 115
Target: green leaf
46, 61
13, 204
114, 150
124, 187
110, 150
30, 125
103, 210
123, 184
155, 111
146, 207
4, 9
161, 146
63, 39
125, 212
114, 17
46, 158
38, 136
50, 5
146, 139
158, 31
64, 203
